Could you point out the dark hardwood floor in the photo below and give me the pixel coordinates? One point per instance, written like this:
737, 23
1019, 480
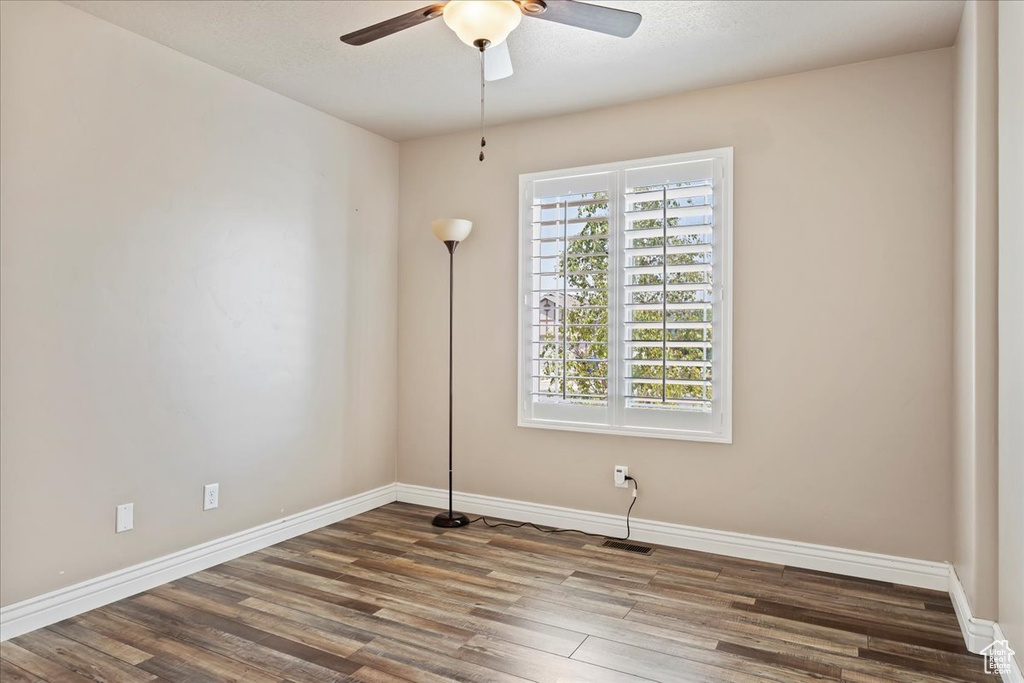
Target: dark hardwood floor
386, 598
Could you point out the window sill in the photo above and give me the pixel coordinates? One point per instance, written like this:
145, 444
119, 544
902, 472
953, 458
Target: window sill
646, 432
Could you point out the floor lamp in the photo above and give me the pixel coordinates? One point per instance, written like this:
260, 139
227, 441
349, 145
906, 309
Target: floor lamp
451, 231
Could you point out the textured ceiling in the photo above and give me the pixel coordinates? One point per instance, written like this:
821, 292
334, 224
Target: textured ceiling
423, 81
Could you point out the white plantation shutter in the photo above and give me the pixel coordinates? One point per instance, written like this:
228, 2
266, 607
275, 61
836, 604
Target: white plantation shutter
568, 298
626, 322
668, 242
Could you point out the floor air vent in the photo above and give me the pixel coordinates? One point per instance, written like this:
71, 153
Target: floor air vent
628, 547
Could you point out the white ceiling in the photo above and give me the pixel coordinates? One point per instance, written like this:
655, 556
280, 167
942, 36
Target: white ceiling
423, 81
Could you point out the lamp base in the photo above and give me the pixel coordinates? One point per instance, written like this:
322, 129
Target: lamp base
453, 521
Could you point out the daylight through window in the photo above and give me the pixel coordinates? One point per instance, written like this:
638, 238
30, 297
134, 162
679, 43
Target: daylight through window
626, 320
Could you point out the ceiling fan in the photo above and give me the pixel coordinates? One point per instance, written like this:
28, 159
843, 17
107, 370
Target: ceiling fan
485, 24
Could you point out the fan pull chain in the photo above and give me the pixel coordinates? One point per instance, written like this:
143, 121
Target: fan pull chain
483, 140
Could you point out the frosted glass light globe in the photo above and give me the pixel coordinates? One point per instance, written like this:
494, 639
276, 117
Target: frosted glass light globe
451, 229
490, 20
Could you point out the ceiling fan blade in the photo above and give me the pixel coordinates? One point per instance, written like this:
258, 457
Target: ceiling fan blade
614, 22
497, 62
393, 25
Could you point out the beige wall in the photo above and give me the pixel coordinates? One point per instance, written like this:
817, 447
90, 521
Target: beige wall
198, 285
1011, 323
843, 312
975, 308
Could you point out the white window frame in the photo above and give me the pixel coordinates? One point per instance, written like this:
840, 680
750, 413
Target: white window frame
586, 418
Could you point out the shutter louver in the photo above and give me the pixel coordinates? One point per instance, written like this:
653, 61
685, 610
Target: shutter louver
570, 288
668, 250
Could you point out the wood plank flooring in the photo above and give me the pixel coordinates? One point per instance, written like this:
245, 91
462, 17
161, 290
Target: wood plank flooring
386, 598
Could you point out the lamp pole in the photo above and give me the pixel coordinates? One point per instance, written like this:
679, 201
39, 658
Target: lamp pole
450, 519
451, 244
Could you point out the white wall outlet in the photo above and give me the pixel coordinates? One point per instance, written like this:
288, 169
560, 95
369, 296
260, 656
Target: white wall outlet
125, 517
621, 472
211, 496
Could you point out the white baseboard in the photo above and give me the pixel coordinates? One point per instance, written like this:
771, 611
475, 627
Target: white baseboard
901, 570
979, 633
1015, 675
67, 602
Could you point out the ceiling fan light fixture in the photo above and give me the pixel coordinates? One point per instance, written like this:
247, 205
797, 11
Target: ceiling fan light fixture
482, 20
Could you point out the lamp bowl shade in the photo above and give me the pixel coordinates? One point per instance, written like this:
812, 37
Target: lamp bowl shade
451, 229
490, 20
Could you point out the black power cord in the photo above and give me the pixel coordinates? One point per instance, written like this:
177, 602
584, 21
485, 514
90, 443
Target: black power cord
555, 530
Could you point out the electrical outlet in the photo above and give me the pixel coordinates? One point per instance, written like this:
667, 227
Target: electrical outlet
211, 496
125, 517
621, 472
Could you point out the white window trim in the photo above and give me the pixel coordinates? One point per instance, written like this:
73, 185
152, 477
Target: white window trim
723, 378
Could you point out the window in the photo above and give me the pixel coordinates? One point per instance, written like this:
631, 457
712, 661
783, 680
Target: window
625, 313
